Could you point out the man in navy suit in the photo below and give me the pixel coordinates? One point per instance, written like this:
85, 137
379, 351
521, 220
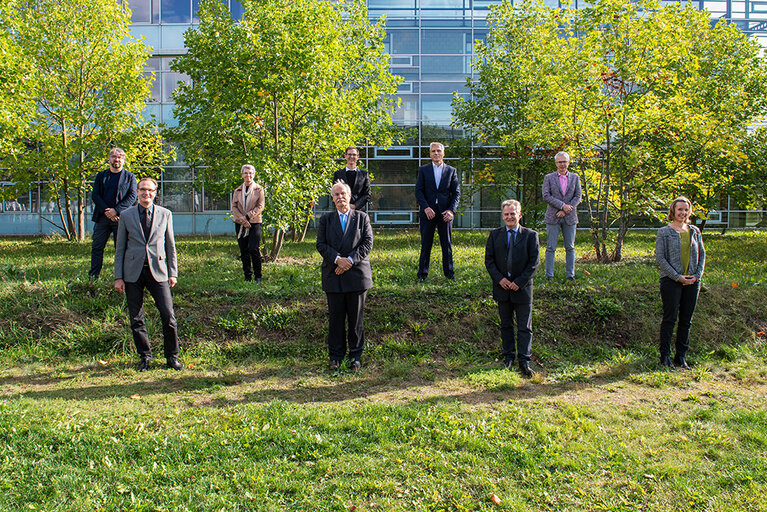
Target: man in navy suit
511, 259
562, 192
114, 191
357, 179
344, 239
437, 191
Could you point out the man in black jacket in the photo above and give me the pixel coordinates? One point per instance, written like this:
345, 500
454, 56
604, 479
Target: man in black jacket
357, 179
114, 190
511, 258
344, 239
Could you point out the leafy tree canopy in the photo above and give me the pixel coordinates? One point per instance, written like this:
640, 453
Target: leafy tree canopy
285, 89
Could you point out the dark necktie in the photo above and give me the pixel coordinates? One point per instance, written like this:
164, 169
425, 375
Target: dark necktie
509, 259
146, 222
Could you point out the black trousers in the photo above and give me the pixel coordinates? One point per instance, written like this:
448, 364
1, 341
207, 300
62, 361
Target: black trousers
101, 231
250, 253
343, 309
160, 291
678, 303
445, 232
523, 347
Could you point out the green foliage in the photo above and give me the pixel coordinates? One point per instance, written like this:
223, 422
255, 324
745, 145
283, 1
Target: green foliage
650, 100
84, 92
285, 89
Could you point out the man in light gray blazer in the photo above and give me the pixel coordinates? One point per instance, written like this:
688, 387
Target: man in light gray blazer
562, 193
145, 257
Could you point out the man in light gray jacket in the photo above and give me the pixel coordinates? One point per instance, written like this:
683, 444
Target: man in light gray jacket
562, 193
145, 257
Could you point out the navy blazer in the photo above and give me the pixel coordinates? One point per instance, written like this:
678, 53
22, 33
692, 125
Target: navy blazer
360, 190
126, 193
356, 242
525, 261
429, 196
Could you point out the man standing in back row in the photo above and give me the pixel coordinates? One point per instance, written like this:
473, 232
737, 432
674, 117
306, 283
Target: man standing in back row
357, 179
437, 191
562, 192
114, 191
145, 258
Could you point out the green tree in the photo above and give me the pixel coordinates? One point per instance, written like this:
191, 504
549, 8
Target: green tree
285, 89
88, 91
646, 98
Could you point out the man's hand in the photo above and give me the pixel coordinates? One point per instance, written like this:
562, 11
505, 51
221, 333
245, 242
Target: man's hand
567, 208
172, 281
119, 285
506, 284
429, 213
447, 216
561, 214
343, 264
111, 214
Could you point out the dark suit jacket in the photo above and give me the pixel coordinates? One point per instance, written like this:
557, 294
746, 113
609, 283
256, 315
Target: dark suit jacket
552, 194
126, 193
439, 200
525, 262
133, 249
360, 190
356, 243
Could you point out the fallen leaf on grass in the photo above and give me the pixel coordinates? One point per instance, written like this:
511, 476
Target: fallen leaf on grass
136, 396
586, 272
495, 499
102, 362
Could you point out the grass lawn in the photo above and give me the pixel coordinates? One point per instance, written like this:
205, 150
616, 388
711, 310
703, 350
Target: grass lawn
433, 422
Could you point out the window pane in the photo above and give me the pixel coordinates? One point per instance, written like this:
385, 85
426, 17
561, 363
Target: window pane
176, 11
141, 11
444, 41
177, 197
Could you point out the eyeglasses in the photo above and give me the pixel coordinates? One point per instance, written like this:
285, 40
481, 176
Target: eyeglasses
142, 189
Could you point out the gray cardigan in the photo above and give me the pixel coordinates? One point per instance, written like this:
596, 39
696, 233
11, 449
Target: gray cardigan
668, 253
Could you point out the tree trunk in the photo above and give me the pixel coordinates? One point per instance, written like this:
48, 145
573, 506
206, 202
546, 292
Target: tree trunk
306, 228
277, 241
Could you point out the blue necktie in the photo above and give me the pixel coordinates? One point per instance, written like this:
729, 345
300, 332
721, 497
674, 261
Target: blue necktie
343, 222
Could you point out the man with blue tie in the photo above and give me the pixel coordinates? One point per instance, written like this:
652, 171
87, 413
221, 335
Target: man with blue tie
344, 239
511, 259
437, 191
562, 193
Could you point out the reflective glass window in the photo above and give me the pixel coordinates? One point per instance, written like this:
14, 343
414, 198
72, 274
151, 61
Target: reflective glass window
141, 11
402, 41
170, 82
408, 109
441, 68
176, 11
237, 10
444, 41
177, 196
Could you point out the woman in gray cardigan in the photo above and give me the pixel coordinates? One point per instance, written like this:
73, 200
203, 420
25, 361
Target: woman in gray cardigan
679, 252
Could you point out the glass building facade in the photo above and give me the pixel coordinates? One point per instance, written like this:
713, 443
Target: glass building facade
431, 46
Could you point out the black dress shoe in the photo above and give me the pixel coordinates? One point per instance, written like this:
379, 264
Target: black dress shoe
681, 362
666, 363
508, 364
524, 369
334, 365
143, 364
174, 364
355, 365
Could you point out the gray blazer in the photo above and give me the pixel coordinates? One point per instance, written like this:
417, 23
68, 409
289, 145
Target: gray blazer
552, 194
668, 253
133, 250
